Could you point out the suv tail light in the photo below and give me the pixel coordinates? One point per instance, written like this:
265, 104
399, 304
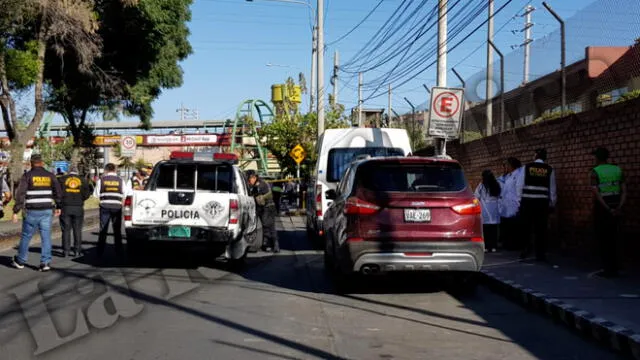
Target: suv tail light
355, 206
469, 208
234, 211
127, 211
318, 199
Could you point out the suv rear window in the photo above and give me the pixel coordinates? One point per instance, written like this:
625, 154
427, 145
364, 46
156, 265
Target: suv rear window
340, 158
411, 177
210, 177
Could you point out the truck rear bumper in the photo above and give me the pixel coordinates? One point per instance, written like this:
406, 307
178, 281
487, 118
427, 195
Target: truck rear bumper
161, 233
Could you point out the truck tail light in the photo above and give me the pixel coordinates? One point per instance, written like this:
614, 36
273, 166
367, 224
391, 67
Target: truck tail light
234, 211
318, 199
127, 211
355, 206
468, 208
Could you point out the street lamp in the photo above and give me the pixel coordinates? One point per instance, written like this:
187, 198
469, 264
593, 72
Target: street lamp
318, 45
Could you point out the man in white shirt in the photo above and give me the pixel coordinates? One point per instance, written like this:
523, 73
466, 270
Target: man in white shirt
536, 187
509, 205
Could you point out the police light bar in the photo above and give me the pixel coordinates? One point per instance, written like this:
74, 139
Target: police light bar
204, 156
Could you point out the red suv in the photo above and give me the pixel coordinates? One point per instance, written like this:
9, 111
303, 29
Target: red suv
404, 214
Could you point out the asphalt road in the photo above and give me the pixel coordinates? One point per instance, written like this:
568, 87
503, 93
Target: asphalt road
177, 304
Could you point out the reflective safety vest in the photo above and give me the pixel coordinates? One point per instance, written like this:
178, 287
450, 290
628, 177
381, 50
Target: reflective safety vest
609, 182
111, 192
537, 182
39, 195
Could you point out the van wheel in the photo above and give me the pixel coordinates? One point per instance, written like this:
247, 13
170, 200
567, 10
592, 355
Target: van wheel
255, 239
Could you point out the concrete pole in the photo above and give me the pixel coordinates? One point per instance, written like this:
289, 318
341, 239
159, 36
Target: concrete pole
442, 60
360, 124
442, 43
336, 64
489, 88
314, 58
527, 42
320, 19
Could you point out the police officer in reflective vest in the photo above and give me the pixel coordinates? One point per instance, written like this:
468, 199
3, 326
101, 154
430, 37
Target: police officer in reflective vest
75, 191
609, 194
265, 209
110, 189
536, 187
38, 194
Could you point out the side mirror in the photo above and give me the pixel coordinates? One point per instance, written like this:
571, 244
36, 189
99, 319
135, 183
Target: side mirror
331, 194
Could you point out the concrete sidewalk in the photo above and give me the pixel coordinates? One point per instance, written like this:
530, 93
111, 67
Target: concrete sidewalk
606, 310
10, 232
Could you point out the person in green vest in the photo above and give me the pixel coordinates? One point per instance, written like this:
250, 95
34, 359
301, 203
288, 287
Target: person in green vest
609, 194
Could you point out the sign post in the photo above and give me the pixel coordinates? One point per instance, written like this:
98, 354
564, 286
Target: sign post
298, 154
445, 115
128, 146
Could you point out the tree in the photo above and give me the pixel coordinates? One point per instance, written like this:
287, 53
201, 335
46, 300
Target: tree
54, 152
142, 47
28, 28
290, 129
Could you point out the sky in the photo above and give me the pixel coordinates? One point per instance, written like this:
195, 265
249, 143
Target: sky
235, 40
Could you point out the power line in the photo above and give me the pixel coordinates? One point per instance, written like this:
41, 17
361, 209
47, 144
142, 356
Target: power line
357, 25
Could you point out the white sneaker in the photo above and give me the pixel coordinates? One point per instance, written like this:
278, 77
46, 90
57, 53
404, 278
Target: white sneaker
44, 267
17, 263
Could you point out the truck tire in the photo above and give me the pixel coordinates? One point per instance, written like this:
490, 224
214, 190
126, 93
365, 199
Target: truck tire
255, 239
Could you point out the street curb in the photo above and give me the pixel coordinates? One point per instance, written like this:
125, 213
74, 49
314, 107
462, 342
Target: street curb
607, 333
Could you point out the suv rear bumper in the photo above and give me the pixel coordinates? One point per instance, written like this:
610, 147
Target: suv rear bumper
414, 256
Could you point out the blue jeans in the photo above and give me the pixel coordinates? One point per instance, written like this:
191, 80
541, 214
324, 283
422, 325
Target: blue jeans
36, 220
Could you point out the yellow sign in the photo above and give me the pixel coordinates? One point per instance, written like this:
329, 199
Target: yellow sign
298, 154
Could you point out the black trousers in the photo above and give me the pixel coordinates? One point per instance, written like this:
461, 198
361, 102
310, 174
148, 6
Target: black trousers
535, 223
509, 233
71, 220
113, 216
607, 227
490, 236
267, 216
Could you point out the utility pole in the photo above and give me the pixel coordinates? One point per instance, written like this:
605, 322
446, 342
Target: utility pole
442, 43
527, 41
413, 123
320, 20
360, 100
389, 106
442, 60
464, 107
563, 54
489, 89
336, 64
314, 58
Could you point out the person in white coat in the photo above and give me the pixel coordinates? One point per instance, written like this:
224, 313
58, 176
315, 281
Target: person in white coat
488, 193
509, 205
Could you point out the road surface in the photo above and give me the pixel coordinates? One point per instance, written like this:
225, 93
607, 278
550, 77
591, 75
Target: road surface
177, 304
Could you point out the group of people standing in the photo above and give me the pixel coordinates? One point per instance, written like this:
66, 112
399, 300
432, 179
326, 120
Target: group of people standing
41, 195
516, 206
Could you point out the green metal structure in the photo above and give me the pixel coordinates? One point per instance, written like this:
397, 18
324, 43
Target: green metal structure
45, 126
245, 141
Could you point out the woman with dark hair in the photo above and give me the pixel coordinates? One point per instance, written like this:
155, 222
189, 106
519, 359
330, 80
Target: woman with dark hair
488, 192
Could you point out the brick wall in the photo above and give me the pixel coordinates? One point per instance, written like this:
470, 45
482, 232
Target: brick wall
569, 142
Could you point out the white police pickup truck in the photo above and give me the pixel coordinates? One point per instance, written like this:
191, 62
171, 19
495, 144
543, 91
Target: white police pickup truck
198, 198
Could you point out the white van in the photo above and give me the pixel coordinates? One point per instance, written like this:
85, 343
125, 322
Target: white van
335, 150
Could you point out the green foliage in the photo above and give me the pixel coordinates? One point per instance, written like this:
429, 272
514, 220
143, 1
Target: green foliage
55, 152
472, 136
629, 96
553, 115
22, 65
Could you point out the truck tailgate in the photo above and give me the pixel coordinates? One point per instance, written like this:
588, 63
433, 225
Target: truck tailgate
162, 207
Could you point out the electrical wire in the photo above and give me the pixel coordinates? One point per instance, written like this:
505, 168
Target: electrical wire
425, 68
357, 25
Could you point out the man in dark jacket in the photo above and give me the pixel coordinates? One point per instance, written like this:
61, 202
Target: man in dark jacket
75, 191
38, 194
266, 210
